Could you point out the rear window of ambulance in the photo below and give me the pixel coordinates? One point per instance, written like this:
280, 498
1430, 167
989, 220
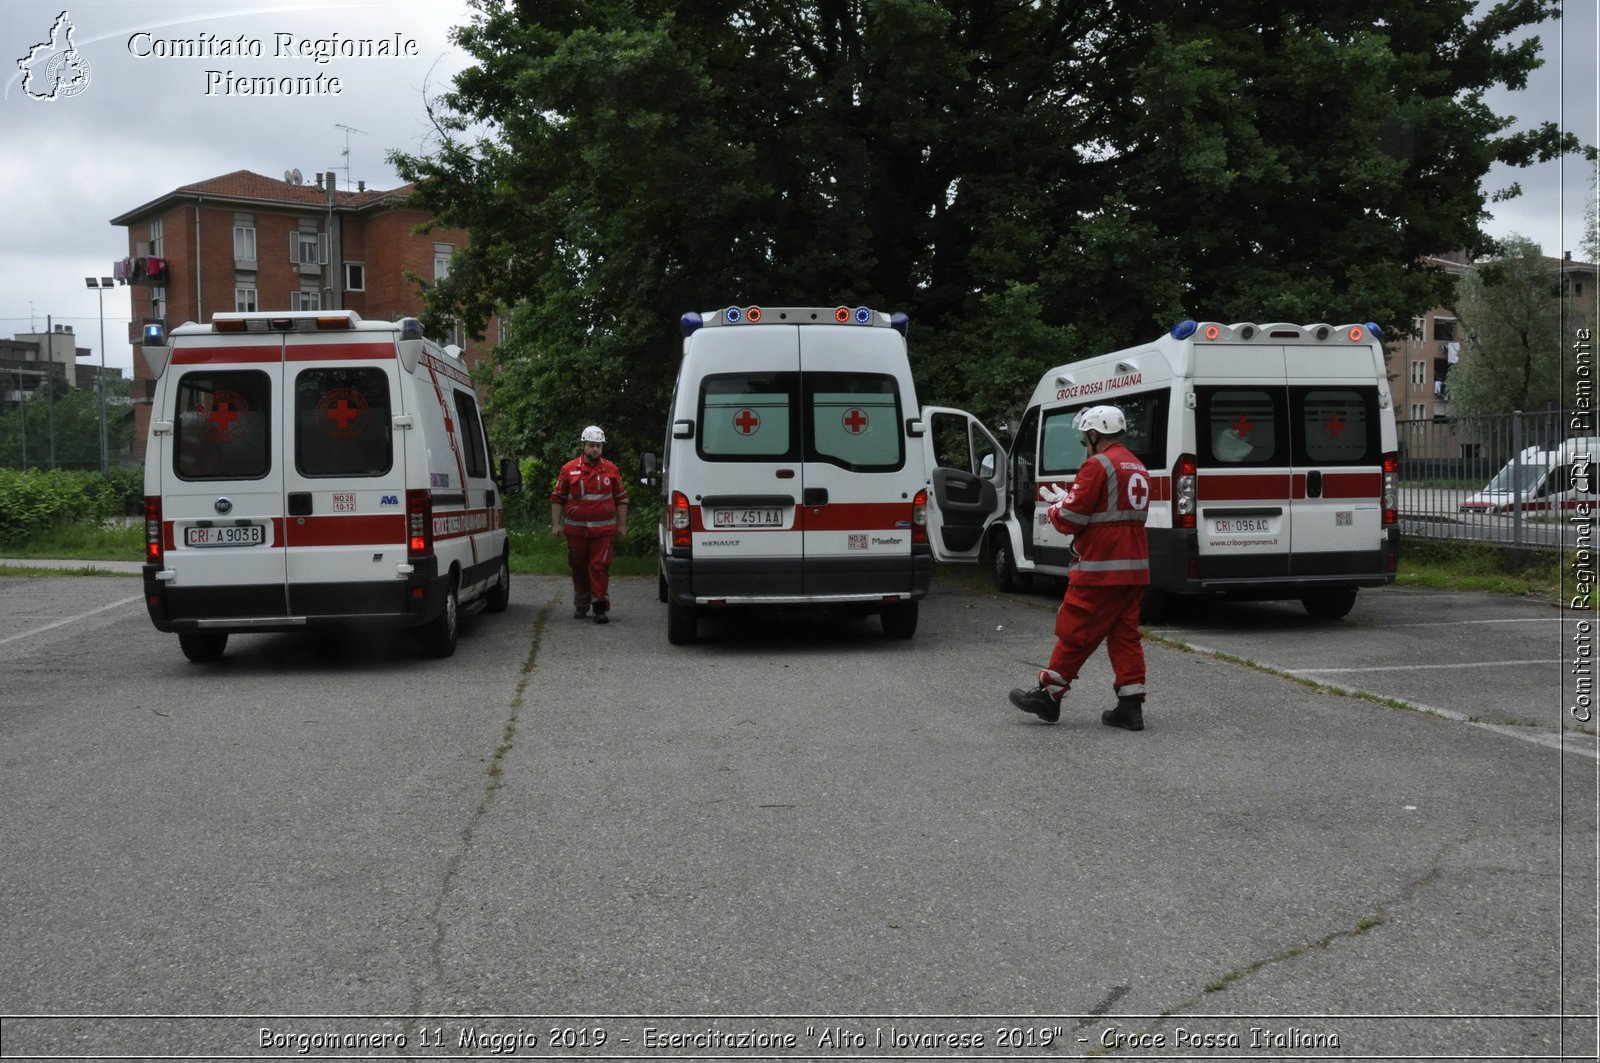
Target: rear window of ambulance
748, 417
342, 424
222, 428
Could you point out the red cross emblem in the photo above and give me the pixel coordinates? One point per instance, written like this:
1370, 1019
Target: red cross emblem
855, 422
223, 415
1138, 491
1243, 425
342, 413
1335, 425
345, 412
747, 422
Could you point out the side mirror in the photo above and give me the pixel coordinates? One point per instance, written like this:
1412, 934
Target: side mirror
647, 463
510, 477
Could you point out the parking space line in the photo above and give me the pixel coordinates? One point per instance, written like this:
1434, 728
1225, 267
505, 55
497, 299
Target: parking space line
1420, 667
70, 620
1462, 623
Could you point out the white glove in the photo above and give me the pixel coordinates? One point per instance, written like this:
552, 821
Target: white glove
1052, 493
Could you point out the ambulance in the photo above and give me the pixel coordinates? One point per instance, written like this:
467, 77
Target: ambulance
1542, 481
795, 470
312, 469
1273, 458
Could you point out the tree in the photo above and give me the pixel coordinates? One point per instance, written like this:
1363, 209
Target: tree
1512, 308
1031, 182
74, 419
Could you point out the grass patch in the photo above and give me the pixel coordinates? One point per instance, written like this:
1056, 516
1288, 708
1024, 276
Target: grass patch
1468, 566
538, 553
116, 541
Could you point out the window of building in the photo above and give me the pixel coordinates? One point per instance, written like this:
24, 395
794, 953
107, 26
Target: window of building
1419, 372
1419, 411
244, 300
158, 302
308, 248
1444, 329
441, 260
310, 299
156, 238
355, 277
244, 242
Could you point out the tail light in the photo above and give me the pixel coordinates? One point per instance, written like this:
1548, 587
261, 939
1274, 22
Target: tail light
419, 524
1183, 492
682, 532
153, 552
1391, 488
919, 518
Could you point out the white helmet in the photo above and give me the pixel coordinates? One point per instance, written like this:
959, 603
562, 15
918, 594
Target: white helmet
593, 434
1107, 420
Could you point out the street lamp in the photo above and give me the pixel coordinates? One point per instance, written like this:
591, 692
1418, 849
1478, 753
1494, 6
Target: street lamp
100, 285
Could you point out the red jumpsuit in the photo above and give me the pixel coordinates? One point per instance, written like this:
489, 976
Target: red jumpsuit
589, 495
1105, 509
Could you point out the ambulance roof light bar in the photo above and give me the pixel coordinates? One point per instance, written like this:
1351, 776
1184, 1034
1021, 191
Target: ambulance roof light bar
295, 321
1248, 330
692, 322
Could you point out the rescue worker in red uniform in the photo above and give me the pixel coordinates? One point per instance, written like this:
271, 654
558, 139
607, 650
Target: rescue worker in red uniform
1103, 517
589, 505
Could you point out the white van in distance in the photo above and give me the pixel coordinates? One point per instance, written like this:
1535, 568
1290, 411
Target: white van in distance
311, 468
1541, 481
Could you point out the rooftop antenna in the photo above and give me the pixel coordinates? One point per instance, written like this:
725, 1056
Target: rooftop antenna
347, 131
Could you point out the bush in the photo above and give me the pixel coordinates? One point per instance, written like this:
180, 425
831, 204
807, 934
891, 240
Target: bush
43, 499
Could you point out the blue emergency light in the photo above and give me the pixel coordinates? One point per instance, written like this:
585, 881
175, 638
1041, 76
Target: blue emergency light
1184, 329
155, 335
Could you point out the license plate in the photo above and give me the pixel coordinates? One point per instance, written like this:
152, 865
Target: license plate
226, 535
747, 518
1238, 525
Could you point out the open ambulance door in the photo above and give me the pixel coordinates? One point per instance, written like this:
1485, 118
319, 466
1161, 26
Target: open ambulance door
966, 482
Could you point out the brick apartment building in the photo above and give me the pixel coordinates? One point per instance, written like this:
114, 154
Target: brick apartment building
244, 241
1420, 363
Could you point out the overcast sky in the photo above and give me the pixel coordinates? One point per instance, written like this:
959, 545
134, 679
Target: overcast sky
139, 123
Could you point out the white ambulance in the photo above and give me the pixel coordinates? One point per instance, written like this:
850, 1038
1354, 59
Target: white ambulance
795, 469
1273, 458
308, 469
1542, 482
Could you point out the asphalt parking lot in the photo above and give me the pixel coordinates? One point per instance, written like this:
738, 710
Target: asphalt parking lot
1487, 658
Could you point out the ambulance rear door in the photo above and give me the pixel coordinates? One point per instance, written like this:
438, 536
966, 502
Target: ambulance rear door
743, 478
859, 482
1244, 461
1336, 492
966, 480
218, 452
343, 473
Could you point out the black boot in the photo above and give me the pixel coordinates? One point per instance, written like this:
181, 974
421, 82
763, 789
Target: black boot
1037, 702
1129, 714
600, 611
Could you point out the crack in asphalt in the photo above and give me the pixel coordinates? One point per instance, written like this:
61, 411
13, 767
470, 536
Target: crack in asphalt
1364, 925
435, 917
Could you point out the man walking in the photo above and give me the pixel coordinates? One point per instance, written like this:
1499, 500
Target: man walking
1103, 517
589, 505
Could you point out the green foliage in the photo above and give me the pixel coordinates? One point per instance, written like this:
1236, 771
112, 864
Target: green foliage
1514, 309
42, 500
74, 420
1032, 183
1449, 564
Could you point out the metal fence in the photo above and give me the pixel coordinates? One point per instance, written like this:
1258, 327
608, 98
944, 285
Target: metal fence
1452, 472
